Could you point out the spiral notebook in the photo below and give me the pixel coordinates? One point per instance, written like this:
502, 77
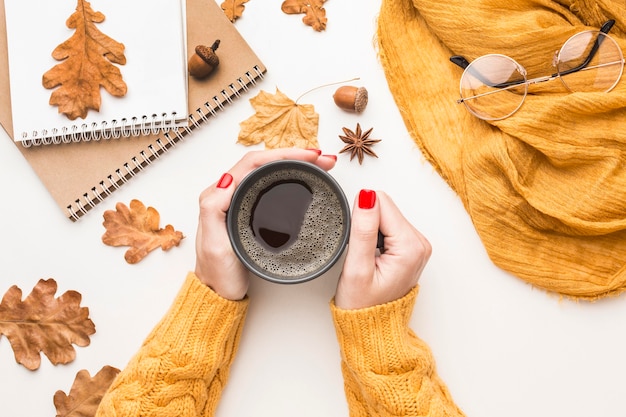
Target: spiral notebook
133, 48
79, 175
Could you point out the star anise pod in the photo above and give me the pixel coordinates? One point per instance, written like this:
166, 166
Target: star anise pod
358, 143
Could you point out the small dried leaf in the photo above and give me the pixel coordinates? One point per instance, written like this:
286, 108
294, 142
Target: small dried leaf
42, 323
233, 8
315, 14
88, 57
280, 123
137, 227
294, 6
86, 393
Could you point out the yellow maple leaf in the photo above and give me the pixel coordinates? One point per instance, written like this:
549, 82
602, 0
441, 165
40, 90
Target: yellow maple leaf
280, 122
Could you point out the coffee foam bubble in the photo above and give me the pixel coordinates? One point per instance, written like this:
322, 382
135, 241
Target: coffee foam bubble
319, 238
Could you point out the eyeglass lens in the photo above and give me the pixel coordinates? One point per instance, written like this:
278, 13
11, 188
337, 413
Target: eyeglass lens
493, 87
590, 62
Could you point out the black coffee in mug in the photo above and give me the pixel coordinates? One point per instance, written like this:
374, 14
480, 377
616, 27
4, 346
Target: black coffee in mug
278, 213
288, 221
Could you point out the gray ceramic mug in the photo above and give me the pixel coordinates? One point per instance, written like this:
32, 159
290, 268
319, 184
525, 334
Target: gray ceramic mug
288, 221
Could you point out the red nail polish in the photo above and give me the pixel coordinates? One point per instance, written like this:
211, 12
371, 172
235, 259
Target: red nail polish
367, 199
317, 151
331, 156
225, 181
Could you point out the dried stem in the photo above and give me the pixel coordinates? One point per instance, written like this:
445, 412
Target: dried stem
325, 85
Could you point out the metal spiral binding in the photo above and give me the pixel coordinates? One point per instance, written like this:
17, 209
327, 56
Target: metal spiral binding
162, 145
135, 126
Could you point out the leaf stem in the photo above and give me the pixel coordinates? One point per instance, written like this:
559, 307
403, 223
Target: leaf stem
325, 85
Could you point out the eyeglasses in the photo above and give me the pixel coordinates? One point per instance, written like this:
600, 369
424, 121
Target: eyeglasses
494, 86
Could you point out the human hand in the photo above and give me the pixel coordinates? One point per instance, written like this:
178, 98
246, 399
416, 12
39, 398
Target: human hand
369, 279
216, 264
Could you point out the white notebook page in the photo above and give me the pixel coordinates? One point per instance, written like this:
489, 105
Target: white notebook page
153, 33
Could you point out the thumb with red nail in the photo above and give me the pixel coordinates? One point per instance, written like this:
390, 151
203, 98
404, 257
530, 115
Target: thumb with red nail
370, 277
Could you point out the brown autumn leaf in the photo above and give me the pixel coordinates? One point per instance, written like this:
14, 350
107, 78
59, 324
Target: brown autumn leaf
280, 123
315, 14
88, 57
42, 323
137, 227
86, 393
233, 8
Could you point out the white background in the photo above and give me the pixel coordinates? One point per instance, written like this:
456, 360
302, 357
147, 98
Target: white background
503, 348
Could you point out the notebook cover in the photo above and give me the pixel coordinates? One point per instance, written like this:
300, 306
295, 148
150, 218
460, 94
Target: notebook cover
79, 175
136, 48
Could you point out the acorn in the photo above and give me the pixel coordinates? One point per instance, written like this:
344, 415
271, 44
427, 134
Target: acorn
204, 61
351, 98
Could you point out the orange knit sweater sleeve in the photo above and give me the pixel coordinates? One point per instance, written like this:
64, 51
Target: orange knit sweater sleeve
388, 371
183, 365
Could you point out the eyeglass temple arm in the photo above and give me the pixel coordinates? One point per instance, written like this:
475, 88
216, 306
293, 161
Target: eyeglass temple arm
459, 61
464, 63
606, 27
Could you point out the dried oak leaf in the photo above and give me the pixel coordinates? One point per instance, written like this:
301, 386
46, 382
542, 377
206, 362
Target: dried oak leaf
280, 122
42, 323
137, 227
233, 8
86, 393
315, 14
88, 57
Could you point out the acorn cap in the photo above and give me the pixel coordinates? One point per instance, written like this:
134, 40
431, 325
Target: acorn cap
360, 99
208, 54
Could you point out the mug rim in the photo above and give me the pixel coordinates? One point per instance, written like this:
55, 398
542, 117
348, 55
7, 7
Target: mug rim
249, 180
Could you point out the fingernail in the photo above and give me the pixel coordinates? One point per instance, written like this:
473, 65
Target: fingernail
367, 199
334, 157
317, 151
225, 181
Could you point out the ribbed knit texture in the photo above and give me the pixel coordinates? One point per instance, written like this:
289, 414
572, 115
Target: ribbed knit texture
546, 187
388, 371
183, 365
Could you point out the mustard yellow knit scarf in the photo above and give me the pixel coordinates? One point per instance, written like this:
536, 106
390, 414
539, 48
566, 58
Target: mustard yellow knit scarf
546, 187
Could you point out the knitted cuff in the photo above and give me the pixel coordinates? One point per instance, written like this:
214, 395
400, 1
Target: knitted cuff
378, 338
183, 364
199, 318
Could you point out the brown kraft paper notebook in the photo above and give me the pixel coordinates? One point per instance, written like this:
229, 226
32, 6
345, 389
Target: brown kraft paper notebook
79, 175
